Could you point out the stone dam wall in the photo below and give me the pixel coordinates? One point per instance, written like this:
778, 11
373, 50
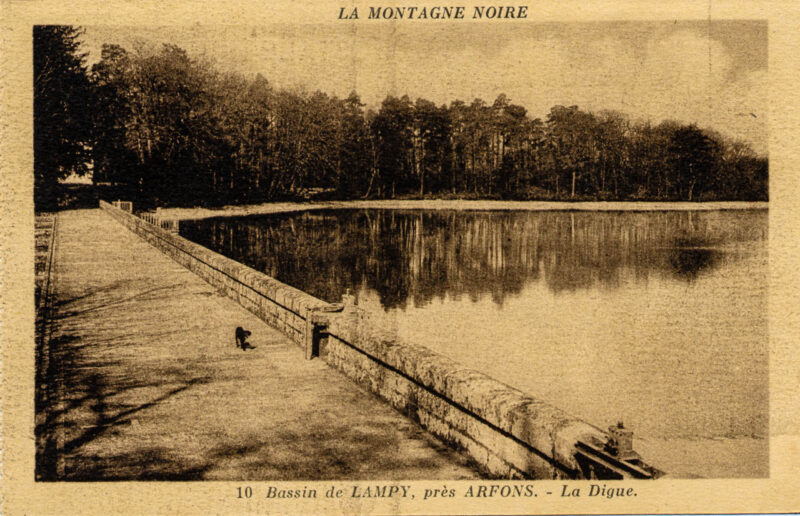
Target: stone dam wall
509, 434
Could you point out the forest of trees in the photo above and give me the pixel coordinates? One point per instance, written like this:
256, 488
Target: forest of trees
174, 130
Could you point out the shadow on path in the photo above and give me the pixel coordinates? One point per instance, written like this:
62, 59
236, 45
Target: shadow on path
79, 403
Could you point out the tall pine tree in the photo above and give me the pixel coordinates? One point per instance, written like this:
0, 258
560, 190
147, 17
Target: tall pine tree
61, 121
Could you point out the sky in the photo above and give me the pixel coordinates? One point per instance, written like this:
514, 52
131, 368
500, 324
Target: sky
712, 73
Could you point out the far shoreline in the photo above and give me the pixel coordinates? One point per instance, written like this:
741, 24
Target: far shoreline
464, 205
432, 204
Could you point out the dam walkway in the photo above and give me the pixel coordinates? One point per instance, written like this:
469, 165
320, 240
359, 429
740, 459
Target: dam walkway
139, 378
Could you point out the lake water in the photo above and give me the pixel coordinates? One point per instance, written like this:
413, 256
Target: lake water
658, 319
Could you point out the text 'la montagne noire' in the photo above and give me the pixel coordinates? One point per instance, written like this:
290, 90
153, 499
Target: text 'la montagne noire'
479, 12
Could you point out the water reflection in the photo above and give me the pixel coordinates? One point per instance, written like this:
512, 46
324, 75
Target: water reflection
422, 255
659, 319
688, 262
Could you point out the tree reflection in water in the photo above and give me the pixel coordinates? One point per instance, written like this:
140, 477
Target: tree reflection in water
426, 254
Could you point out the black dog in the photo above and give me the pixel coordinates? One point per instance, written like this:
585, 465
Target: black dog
241, 338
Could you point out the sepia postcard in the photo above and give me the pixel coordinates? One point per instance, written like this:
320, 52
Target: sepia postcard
399, 257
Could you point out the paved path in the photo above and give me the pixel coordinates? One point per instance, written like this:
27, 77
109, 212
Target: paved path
144, 382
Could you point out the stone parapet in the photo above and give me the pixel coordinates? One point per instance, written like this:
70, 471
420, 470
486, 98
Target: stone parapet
510, 434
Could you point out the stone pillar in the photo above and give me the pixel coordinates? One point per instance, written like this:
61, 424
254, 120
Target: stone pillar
316, 328
348, 300
316, 323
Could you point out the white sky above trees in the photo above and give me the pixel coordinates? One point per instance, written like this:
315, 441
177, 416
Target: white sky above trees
713, 74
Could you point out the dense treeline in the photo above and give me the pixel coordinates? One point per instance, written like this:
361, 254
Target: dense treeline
178, 131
